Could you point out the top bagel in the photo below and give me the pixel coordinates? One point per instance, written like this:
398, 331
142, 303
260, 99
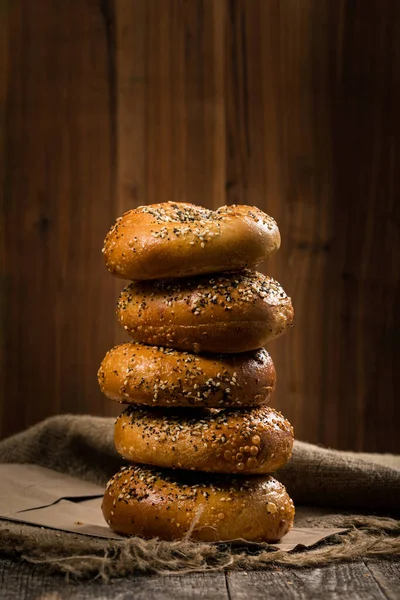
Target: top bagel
178, 240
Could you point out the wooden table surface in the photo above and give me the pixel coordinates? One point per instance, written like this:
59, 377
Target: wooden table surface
372, 579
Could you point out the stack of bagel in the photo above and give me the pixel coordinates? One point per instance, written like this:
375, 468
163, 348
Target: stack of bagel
198, 433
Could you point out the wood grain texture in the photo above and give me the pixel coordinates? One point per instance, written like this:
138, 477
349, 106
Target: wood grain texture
286, 104
4, 61
386, 573
378, 580
346, 580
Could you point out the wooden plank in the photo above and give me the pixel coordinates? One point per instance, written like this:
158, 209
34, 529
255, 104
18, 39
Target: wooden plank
185, 125
386, 573
130, 60
4, 61
375, 580
20, 581
24, 582
130, 22
361, 325
334, 582
195, 585
58, 206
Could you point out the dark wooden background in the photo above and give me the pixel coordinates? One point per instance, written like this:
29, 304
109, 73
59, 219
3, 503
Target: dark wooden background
292, 105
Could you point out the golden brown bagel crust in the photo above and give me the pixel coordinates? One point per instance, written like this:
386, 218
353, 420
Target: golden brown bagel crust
150, 503
253, 441
135, 373
228, 313
179, 240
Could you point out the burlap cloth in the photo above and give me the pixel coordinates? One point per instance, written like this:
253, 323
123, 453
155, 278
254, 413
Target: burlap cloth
330, 488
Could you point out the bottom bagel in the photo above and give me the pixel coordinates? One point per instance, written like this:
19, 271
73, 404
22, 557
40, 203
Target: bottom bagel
148, 502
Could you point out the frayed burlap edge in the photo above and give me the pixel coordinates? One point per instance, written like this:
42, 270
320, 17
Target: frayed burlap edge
80, 557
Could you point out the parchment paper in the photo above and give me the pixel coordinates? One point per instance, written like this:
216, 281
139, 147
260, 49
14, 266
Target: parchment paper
47, 498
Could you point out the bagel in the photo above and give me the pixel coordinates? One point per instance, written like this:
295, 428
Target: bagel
228, 313
179, 240
135, 373
166, 504
252, 441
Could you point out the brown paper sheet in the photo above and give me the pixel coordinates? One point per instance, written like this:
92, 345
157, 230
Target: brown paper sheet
39, 496
24, 487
